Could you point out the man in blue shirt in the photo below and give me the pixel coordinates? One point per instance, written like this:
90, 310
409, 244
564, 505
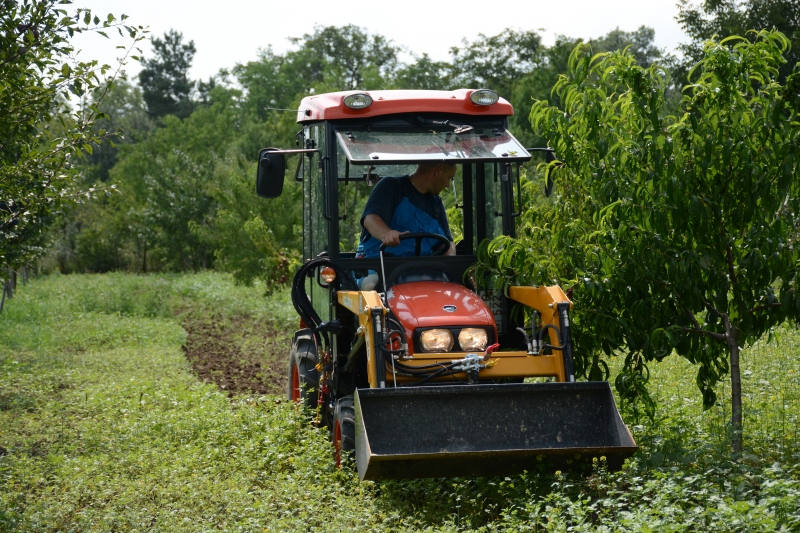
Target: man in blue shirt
409, 204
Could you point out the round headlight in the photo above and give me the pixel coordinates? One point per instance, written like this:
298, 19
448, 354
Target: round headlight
484, 97
436, 340
358, 100
473, 339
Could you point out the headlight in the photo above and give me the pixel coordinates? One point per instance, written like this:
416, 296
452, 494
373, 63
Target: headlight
473, 339
436, 340
484, 97
358, 100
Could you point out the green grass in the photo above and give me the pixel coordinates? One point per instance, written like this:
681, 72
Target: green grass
104, 428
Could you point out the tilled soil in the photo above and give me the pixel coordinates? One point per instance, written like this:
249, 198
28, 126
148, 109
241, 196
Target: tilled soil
239, 354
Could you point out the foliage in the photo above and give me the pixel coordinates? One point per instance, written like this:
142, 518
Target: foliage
166, 180
676, 234
102, 428
424, 73
712, 18
495, 62
124, 120
257, 240
165, 79
208, 155
40, 131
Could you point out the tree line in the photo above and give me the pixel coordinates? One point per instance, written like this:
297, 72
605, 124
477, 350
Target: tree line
182, 157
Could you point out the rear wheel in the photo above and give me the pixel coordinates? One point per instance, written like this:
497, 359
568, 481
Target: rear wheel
344, 431
303, 375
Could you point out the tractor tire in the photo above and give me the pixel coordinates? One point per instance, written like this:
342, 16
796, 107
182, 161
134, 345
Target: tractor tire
344, 432
303, 374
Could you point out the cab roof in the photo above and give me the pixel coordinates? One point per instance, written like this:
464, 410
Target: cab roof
330, 106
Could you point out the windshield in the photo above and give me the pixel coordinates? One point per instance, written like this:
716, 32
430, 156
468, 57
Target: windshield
458, 143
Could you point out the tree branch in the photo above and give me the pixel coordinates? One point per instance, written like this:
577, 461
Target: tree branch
765, 306
713, 334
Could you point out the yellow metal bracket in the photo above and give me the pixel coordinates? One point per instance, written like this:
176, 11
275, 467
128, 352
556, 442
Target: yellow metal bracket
545, 300
362, 304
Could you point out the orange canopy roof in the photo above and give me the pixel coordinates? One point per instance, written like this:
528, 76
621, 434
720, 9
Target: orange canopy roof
330, 106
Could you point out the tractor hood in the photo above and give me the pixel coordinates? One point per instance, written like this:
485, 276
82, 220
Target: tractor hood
424, 304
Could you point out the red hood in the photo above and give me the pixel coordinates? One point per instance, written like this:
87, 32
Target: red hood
421, 304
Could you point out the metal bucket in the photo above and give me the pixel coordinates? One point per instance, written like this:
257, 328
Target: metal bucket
487, 430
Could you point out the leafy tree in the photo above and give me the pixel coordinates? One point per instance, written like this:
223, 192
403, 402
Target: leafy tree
538, 82
424, 73
735, 17
676, 234
41, 131
167, 177
165, 77
125, 121
495, 62
640, 44
344, 58
256, 240
330, 59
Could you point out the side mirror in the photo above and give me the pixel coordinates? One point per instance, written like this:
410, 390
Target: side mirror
271, 169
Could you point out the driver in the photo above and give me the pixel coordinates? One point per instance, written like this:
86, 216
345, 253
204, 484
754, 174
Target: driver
408, 204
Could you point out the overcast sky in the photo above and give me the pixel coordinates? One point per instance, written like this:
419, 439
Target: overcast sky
232, 31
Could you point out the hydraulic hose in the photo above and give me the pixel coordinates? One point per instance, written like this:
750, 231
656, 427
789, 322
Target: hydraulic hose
300, 298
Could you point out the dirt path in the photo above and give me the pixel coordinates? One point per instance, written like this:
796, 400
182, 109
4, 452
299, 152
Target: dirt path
239, 355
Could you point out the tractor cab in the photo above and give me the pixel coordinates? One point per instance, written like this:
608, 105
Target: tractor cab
386, 134
393, 349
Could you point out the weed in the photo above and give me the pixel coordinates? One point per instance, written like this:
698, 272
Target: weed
104, 427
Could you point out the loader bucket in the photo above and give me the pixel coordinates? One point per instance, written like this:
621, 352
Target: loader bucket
487, 430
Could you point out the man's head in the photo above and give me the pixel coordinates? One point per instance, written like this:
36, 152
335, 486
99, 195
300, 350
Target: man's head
433, 178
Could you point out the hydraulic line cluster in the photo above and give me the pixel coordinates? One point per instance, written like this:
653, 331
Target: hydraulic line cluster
303, 305
470, 365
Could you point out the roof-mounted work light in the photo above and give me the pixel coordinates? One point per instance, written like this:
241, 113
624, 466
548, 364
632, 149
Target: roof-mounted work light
484, 97
358, 100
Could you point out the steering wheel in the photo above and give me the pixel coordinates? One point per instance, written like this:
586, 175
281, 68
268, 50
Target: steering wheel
418, 243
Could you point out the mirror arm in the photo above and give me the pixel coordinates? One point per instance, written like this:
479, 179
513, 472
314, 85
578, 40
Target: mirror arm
298, 151
326, 196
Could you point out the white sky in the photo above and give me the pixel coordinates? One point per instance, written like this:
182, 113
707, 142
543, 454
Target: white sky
232, 32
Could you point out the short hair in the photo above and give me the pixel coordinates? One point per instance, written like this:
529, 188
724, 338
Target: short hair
429, 167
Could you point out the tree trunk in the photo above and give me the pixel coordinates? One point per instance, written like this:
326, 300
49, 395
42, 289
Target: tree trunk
144, 257
732, 334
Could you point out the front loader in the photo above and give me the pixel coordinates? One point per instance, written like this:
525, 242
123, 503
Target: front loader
414, 369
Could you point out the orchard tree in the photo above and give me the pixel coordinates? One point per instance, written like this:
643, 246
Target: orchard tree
708, 18
46, 117
677, 234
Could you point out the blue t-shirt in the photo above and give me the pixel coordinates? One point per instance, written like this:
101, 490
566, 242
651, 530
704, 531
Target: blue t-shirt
387, 195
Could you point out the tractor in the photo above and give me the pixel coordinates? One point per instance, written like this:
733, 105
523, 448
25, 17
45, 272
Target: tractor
423, 373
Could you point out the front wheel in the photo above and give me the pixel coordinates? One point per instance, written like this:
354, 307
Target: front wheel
344, 431
303, 374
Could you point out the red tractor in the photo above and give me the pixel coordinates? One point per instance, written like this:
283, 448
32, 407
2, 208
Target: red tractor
423, 374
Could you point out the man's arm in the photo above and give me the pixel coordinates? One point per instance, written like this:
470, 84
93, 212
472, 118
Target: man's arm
378, 229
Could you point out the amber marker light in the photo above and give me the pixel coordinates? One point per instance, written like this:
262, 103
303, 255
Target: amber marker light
327, 274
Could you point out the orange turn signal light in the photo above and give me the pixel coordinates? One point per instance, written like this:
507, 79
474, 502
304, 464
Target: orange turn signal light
327, 274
